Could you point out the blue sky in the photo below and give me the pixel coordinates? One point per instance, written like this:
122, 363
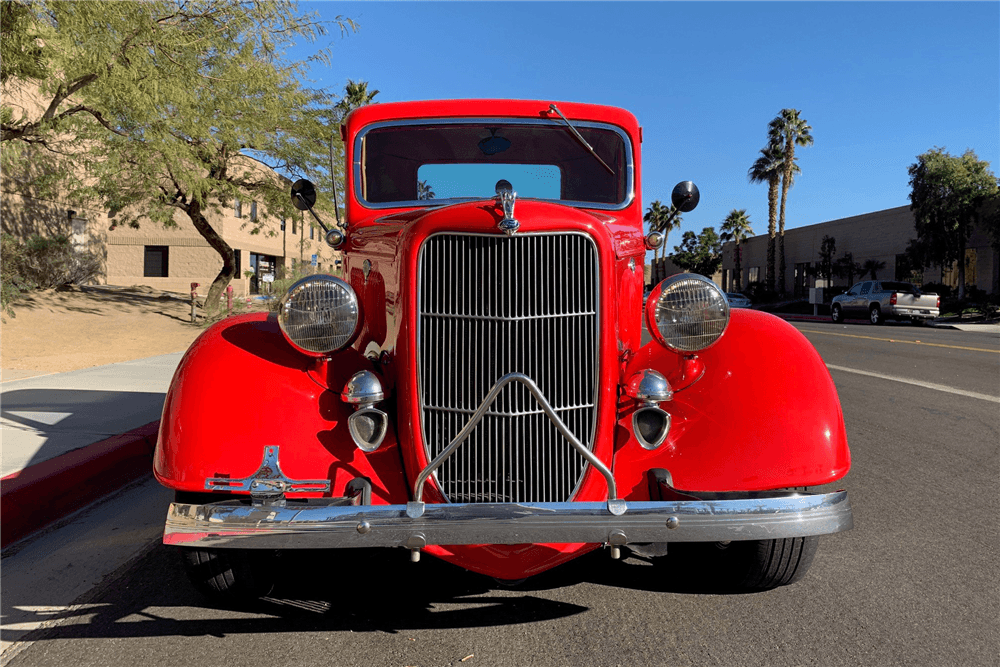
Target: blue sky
879, 83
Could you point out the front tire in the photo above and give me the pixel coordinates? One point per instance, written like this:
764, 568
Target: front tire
836, 314
875, 316
760, 565
227, 576
745, 566
230, 575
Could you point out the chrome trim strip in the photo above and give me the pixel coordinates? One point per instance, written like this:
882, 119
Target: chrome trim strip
322, 524
629, 161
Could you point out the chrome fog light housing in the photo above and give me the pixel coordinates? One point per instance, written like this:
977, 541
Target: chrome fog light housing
687, 313
319, 314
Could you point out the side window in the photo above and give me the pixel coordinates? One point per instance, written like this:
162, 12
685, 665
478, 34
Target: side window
854, 291
866, 288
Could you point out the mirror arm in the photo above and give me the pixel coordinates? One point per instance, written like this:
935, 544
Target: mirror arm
326, 230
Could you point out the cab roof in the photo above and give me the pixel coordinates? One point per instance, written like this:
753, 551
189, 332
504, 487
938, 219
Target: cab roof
490, 108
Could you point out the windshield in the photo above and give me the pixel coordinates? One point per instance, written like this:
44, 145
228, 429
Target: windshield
435, 163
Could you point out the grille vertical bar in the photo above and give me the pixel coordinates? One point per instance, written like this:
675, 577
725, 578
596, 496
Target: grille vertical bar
491, 305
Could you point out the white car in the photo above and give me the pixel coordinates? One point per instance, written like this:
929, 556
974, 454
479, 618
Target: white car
737, 300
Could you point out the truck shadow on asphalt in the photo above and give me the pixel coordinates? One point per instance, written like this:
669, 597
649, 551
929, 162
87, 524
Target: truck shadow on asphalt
341, 591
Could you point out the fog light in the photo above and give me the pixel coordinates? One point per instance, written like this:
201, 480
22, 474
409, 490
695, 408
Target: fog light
362, 390
367, 427
651, 426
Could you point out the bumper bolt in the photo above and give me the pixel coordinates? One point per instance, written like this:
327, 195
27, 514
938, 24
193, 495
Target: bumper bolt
414, 555
673, 522
364, 527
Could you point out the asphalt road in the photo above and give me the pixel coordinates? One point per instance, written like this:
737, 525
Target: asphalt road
917, 582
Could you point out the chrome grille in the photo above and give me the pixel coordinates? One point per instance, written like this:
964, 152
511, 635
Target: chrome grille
491, 305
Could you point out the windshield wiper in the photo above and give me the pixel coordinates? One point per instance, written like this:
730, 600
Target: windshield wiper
579, 137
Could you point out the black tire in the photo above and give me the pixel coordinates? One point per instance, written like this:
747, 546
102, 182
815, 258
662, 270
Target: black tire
743, 566
227, 576
760, 565
836, 314
230, 575
875, 316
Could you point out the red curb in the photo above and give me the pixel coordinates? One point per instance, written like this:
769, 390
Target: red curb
40, 494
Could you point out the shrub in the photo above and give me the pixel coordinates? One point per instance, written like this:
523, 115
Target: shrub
13, 280
53, 262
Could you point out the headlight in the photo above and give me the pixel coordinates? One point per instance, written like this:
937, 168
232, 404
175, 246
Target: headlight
319, 314
687, 313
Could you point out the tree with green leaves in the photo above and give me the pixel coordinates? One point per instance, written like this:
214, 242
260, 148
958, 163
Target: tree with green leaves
177, 107
872, 267
424, 190
663, 219
21, 55
767, 168
948, 195
356, 95
701, 254
846, 267
787, 130
736, 227
827, 249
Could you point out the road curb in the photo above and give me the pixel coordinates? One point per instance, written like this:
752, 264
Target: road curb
32, 498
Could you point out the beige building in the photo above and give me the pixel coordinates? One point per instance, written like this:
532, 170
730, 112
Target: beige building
165, 258
881, 236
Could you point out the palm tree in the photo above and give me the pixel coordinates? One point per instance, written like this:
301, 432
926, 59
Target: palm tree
872, 266
736, 227
356, 95
424, 191
768, 169
787, 130
663, 219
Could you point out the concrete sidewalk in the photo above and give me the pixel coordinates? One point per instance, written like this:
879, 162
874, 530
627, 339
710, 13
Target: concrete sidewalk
70, 438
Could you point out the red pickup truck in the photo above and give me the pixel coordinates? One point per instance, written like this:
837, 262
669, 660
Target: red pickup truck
475, 387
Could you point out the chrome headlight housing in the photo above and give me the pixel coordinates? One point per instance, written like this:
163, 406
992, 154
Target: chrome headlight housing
319, 314
687, 313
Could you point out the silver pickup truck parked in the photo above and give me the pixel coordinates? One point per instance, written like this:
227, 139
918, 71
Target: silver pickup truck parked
879, 300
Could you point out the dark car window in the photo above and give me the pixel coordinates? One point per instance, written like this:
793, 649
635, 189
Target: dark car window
899, 287
436, 163
854, 290
866, 288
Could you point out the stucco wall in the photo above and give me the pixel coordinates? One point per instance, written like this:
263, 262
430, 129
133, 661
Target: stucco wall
880, 235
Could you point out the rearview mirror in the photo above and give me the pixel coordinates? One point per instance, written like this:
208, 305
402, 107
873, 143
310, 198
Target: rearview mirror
685, 196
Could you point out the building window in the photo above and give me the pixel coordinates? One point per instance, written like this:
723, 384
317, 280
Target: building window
253, 211
282, 224
754, 275
294, 227
237, 255
155, 261
238, 209
312, 232
949, 275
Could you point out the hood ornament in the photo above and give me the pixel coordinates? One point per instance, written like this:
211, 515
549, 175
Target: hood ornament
506, 196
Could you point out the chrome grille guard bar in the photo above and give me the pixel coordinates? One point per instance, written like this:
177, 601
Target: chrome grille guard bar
333, 523
416, 508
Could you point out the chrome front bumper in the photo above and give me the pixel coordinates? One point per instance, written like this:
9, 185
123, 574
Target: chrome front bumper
336, 524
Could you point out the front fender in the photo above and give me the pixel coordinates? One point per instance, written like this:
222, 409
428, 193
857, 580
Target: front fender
241, 387
765, 415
